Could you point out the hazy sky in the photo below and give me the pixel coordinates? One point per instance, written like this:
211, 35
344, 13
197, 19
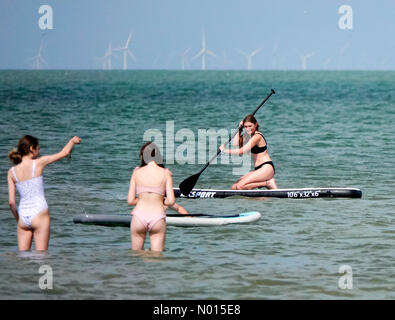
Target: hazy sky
164, 29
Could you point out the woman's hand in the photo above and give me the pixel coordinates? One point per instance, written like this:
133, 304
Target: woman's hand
222, 147
76, 140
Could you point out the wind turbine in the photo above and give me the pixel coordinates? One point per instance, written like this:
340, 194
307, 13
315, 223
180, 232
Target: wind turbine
303, 59
126, 52
249, 57
38, 61
184, 58
203, 52
107, 64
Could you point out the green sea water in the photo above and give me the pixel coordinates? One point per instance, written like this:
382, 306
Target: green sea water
324, 129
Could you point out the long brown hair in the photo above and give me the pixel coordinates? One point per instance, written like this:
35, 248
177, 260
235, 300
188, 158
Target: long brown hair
23, 148
248, 118
150, 152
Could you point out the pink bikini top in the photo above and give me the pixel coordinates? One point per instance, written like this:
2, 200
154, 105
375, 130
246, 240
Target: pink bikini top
159, 190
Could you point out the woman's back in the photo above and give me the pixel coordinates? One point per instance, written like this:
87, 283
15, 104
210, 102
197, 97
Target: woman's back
29, 184
151, 186
26, 170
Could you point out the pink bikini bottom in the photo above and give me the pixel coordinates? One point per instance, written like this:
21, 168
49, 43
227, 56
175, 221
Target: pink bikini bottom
147, 218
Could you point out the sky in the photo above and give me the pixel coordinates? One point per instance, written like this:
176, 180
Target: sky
283, 30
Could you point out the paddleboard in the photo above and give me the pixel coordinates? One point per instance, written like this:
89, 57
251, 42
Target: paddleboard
179, 220
277, 193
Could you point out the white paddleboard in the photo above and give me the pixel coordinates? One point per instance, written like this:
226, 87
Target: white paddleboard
179, 220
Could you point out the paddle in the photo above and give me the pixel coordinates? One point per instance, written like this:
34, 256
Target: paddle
187, 185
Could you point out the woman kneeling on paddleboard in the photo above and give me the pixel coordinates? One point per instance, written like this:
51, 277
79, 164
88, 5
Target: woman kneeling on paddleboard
26, 176
263, 174
150, 182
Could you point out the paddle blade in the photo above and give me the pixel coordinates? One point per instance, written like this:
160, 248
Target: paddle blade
187, 185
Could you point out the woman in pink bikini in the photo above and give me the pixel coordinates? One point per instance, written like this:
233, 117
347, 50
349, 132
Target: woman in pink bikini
32, 214
153, 184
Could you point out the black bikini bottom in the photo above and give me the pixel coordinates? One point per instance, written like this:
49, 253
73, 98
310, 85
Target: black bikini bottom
267, 162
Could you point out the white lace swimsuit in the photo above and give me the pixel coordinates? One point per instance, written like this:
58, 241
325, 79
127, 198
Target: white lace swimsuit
32, 198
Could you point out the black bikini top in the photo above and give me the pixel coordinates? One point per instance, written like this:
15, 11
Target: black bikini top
256, 149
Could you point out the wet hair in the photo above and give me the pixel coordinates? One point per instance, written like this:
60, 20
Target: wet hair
150, 152
249, 118
23, 148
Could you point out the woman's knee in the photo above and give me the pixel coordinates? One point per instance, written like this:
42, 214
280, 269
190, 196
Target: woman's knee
239, 185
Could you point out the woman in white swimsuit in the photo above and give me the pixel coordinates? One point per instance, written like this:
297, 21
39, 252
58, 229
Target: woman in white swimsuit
32, 214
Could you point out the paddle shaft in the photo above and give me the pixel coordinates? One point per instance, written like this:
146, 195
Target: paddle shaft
230, 139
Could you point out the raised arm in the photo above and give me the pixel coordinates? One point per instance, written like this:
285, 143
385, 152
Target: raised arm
46, 160
11, 195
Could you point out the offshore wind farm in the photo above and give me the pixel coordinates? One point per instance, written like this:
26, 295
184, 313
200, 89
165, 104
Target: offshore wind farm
163, 33
201, 58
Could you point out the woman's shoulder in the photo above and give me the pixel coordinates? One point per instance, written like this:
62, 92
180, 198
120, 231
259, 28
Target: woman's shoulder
136, 170
14, 167
259, 135
41, 159
11, 172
